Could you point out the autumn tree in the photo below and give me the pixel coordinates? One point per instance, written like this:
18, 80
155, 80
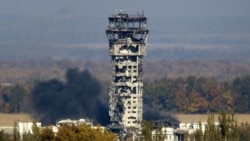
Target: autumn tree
47, 134
83, 132
197, 103
66, 133
181, 100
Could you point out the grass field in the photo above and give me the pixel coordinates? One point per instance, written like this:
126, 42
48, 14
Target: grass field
187, 118
10, 119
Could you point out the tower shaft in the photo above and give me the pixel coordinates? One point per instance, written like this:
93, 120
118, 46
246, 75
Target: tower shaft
127, 36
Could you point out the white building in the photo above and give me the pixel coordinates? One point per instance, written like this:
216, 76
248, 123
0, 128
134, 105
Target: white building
75, 122
26, 127
172, 134
166, 132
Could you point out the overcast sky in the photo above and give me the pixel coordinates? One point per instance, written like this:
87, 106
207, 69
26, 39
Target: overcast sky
158, 8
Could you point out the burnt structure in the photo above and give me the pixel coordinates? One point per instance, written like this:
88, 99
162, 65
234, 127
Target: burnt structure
127, 35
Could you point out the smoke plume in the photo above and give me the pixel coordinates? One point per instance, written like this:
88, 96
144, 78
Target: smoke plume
158, 118
78, 97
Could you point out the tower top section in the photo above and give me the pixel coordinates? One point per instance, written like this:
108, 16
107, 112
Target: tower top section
123, 26
124, 17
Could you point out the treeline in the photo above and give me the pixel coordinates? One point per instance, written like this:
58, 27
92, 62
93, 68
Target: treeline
180, 95
198, 95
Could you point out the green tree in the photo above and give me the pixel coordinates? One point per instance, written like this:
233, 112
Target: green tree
34, 136
16, 99
28, 137
244, 132
147, 128
211, 131
160, 93
191, 82
198, 136
242, 91
159, 134
16, 134
228, 127
4, 137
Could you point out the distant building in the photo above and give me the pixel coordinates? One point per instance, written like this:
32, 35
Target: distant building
166, 132
71, 122
6, 84
180, 133
10, 121
75, 122
20, 127
26, 127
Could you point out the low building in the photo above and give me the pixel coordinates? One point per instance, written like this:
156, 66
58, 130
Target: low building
9, 122
27, 127
75, 122
183, 132
166, 132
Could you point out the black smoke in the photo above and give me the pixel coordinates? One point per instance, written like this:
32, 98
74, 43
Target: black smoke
158, 118
78, 97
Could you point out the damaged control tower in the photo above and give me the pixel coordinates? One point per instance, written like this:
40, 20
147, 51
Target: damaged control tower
127, 35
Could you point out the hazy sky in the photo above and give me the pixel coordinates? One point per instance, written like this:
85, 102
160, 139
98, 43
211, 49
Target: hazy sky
158, 8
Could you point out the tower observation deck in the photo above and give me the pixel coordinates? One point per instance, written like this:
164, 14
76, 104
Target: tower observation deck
127, 35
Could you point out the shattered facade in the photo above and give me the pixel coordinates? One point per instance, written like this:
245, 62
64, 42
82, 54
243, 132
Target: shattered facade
127, 35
